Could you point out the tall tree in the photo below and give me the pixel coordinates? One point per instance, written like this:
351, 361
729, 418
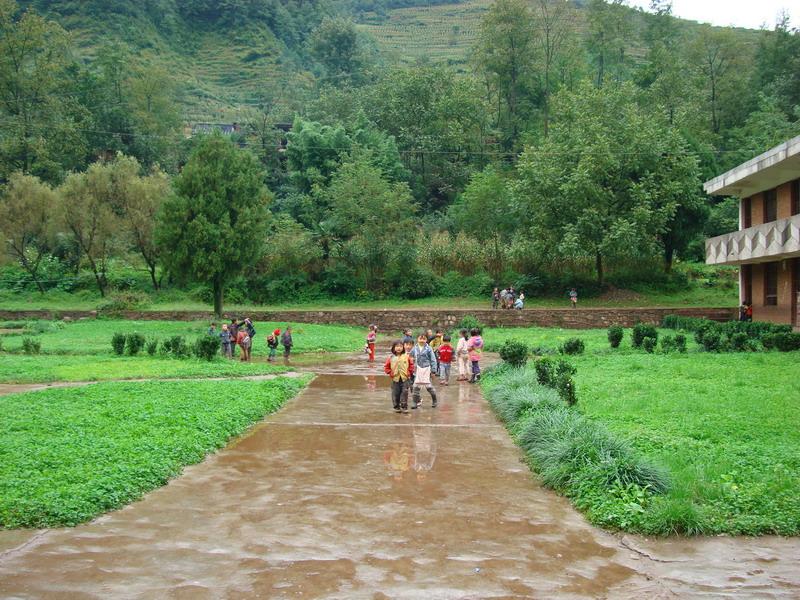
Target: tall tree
724, 64
609, 29
25, 222
778, 64
505, 54
607, 180
87, 209
554, 42
336, 45
39, 118
215, 225
485, 211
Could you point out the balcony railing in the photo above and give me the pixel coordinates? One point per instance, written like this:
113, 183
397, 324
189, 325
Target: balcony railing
771, 241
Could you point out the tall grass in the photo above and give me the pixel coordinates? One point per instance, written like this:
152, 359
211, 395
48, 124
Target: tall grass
573, 454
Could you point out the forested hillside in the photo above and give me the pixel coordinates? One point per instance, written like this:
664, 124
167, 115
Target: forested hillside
435, 149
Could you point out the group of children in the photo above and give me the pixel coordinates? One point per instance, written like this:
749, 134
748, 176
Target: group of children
413, 366
242, 334
508, 298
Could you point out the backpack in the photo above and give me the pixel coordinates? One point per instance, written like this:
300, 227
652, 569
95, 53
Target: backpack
246, 341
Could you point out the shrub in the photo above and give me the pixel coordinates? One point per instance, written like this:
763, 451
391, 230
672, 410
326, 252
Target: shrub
40, 327
641, 331
118, 343
615, 335
740, 342
676, 343
572, 347
649, 344
206, 347
514, 352
134, 342
712, 340
470, 322
544, 371
151, 346
680, 343
1, 344
129, 300
175, 346
785, 342
31, 345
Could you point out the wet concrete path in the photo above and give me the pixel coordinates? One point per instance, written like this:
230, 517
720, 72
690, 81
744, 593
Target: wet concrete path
338, 497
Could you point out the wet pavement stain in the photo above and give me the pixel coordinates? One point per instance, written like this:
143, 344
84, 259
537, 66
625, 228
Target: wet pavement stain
336, 496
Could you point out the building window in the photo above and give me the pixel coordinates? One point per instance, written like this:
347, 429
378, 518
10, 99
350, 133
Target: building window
747, 209
770, 206
796, 197
771, 284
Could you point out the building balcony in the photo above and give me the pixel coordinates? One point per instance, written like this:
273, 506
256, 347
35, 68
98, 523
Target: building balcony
769, 242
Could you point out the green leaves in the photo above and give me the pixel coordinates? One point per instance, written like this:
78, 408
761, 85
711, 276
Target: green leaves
71, 454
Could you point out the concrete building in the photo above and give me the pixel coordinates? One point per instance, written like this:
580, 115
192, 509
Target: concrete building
767, 245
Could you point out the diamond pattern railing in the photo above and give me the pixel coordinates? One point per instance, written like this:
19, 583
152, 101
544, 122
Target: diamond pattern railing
777, 240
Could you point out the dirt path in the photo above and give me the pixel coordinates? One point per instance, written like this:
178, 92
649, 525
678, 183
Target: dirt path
336, 496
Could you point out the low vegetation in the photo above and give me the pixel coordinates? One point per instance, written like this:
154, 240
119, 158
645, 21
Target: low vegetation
721, 427
71, 454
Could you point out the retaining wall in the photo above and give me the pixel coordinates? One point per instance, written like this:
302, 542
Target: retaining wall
396, 320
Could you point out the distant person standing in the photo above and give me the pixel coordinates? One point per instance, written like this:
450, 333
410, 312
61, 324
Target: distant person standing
495, 299
372, 337
462, 355
272, 343
287, 342
225, 339
573, 297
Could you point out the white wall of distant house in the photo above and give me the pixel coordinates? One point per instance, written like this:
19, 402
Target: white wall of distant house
739, 13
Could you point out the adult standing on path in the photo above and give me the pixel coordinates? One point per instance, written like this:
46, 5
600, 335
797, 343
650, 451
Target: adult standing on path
287, 342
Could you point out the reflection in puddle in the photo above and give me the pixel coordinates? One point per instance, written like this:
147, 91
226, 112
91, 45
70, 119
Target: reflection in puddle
412, 457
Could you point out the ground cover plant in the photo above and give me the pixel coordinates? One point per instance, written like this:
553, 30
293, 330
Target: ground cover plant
94, 336
71, 454
22, 369
723, 426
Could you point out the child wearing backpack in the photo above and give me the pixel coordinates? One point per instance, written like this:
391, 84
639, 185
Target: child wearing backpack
273, 339
372, 337
424, 365
245, 342
475, 350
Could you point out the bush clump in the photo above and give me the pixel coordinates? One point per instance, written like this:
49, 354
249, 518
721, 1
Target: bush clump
642, 331
206, 347
572, 347
470, 322
676, 343
615, 335
649, 344
151, 346
31, 345
176, 347
785, 342
514, 352
118, 343
134, 342
557, 374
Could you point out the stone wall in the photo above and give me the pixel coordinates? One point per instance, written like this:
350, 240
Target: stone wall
396, 320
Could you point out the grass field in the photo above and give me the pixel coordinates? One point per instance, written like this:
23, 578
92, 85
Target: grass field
695, 296
93, 336
724, 427
70, 454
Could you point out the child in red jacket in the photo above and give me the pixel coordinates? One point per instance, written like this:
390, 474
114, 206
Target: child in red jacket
445, 359
400, 367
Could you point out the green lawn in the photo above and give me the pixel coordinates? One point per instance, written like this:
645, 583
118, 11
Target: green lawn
697, 295
93, 336
727, 427
15, 368
70, 454
724, 427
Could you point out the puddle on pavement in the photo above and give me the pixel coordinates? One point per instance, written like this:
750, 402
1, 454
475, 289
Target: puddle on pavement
337, 496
